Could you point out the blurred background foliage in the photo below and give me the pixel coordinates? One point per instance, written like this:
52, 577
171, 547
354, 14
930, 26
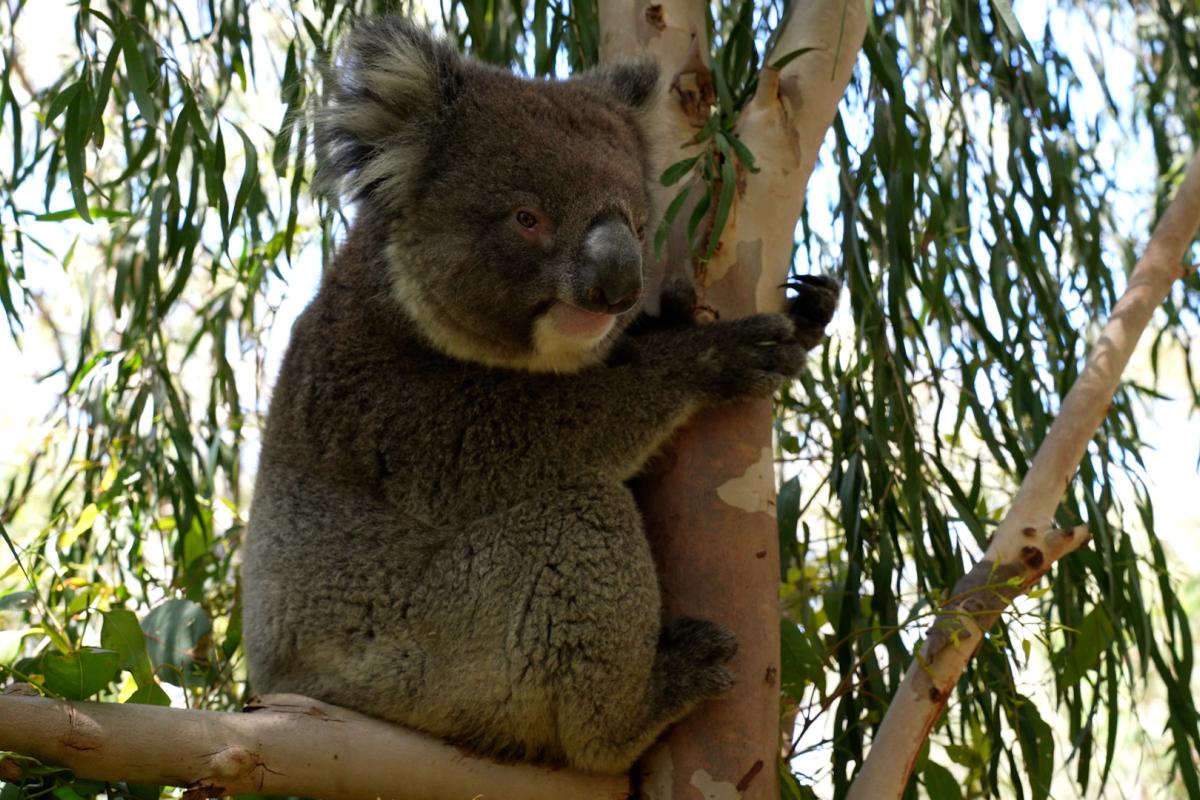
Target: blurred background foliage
988, 184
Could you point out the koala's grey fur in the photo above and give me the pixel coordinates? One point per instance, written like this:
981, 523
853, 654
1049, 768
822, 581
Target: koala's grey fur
441, 534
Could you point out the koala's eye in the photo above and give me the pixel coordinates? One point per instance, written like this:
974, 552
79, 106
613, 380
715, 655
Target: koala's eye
533, 226
641, 232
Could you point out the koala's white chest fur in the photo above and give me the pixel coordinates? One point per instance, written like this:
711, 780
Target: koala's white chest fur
565, 339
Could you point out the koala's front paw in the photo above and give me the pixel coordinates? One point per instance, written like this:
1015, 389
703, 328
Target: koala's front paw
813, 306
748, 357
692, 654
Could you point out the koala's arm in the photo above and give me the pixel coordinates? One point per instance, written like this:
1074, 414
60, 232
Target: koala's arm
672, 367
504, 429
811, 305
473, 431
611, 419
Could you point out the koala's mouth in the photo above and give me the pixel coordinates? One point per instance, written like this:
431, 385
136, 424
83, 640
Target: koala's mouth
574, 322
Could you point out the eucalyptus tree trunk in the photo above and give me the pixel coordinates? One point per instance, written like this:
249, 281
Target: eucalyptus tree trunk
709, 508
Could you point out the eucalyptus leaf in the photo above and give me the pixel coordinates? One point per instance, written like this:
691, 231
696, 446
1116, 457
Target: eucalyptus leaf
79, 674
178, 636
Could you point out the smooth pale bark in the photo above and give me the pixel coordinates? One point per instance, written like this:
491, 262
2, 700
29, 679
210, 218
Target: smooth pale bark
709, 504
295, 746
1022, 550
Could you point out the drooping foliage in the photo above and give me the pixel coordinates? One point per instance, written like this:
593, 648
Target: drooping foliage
982, 195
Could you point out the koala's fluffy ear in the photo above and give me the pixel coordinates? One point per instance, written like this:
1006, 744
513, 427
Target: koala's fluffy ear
633, 83
390, 85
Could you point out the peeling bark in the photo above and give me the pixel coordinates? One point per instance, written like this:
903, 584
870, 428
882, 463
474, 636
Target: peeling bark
1020, 553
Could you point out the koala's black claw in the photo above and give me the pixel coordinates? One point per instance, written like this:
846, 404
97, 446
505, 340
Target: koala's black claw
813, 306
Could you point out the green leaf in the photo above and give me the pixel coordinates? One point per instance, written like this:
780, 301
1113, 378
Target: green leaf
664, 227
122, 634
940, 783
724, 203
292, 86
80, 674
790, 56
94, 213
249, 176
1037, 746
87, 517
61, 100
66, 792
76, 133
17, 601
787, 517
136, 73
1004, 10
743, 153
800, 663
178, 640
673, 173
150, 694
10, 644
724, 96
104, 86
179, 133
964, 756
697, 217
789, 787
1094, 637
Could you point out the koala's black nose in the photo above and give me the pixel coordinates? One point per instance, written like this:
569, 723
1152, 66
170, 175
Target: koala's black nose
610, 275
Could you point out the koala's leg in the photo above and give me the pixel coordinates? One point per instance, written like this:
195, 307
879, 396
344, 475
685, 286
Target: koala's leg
589, 633
688, 668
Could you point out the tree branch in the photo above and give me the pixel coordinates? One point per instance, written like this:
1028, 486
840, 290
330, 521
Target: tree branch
294, 746
1020, 552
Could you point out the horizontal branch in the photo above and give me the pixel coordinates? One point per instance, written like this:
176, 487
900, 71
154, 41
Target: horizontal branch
1021, 550
294, 746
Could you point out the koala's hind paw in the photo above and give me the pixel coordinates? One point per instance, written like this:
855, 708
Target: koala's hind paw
699, 641
691, 663
813, 306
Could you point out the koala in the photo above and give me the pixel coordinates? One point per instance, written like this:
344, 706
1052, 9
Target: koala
441, 532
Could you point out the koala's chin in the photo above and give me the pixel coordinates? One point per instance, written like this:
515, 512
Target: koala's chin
563, 338
567, 338
551, 350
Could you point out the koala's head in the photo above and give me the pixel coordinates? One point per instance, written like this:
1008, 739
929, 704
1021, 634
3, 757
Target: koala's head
515, 210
